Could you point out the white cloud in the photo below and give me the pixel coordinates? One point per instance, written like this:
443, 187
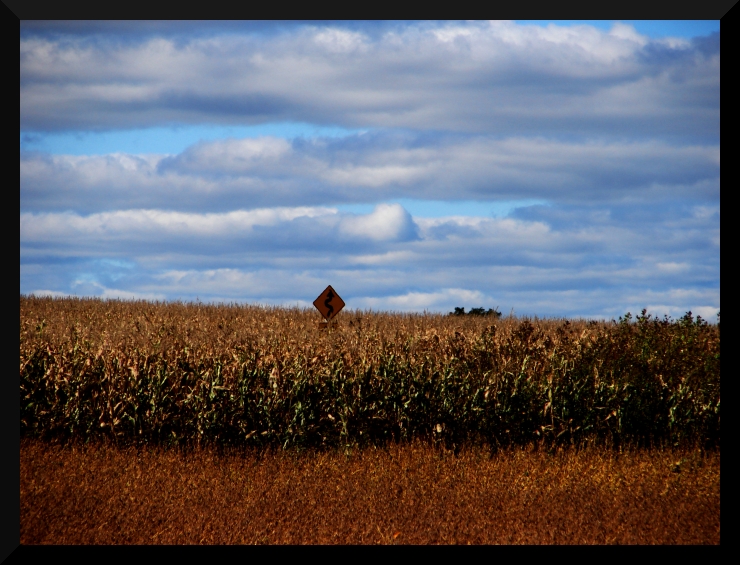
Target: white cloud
340, 41
477, 76
144, 223
589, 264
150, 231
388, 258
388, 222
671, 267
231, 156
268, 172
628, 32
419, 301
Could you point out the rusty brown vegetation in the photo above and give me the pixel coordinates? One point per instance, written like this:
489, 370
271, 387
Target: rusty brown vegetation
408, 494
189, 423
175, 374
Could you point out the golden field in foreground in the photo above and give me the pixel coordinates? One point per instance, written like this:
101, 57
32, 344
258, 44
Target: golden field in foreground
411, 494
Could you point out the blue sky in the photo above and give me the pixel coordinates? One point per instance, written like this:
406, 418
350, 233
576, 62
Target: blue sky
553, 168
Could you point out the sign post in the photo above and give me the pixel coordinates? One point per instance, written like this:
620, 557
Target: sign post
329, 303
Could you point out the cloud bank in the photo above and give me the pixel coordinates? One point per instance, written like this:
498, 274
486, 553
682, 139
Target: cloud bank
241, 173
474, 78
617, 133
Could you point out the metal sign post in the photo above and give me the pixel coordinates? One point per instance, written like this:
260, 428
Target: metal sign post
329, 303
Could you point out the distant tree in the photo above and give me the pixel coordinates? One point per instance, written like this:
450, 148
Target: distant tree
476, 312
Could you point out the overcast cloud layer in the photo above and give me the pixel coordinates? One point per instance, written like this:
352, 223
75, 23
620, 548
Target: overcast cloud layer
616, 133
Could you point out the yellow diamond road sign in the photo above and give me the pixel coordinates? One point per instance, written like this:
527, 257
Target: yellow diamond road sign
329, 303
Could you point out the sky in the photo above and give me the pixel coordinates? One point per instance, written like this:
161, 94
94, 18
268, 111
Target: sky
543, 168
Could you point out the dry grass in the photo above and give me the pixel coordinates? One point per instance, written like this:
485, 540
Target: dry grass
412, 494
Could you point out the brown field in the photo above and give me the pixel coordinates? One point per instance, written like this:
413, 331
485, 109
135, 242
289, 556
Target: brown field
411, 494
177, 374
154, 423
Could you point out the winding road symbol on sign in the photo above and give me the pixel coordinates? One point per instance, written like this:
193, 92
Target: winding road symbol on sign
329, 303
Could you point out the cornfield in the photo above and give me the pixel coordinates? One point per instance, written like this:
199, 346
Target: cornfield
192, 374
